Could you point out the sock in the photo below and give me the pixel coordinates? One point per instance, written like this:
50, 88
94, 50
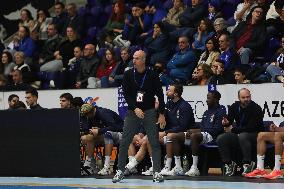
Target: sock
177, 161
107, 162
169, 163
130, 158
260, 162
277, 162
194, 161
132, 163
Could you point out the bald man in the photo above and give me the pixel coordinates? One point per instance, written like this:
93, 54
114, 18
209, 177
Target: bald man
244, 121
88, 66
140, 86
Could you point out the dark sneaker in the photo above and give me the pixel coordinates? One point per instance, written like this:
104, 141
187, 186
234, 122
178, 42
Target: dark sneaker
247, 168
229, 169
158, 177
118, 176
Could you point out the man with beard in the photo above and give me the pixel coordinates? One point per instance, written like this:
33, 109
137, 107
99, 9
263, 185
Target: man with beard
179, 117
244, 121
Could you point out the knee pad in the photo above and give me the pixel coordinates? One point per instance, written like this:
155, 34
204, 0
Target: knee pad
167, 140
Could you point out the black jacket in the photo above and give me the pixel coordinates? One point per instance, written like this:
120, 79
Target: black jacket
249, 119
257, 40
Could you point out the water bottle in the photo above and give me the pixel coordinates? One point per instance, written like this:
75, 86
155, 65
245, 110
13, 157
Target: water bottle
185, 164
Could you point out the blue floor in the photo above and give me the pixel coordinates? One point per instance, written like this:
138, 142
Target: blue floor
84, 183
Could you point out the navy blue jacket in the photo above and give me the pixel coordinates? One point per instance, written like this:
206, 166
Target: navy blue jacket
249, 119
179, 116
212, 120
106, 120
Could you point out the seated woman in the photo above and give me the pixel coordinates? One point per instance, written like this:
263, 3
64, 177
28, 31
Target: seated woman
114, 25
6, 64
211, 52
108, 63
116, 76
220, 27
204, 31
203, 74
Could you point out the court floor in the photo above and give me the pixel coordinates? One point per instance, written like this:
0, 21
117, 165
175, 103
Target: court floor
139, 183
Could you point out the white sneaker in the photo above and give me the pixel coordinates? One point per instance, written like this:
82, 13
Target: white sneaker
148, 172
104, 171
193, 171
165, 170
175, 171
90, 163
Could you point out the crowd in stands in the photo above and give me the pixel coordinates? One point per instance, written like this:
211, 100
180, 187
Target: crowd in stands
191, 42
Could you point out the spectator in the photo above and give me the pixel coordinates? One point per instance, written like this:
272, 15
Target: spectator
157, 45
204, 31
242, 11
137, 25
31, 99
193, 14
214, 10
64, 52
181, 65
3, 82
172, 20
125, 64
26, 44
43, 21
115, 23
276, 68
65, 100
19, 58
60, 18
88, 67
12, 100
218, 77
220, 27
249, 35
203, 75
70, 74
275, 24
27, 19
106, 67
17, 84
50, 46
242, 134
7, 64
211, 52
73, 19
240, 76
229, 56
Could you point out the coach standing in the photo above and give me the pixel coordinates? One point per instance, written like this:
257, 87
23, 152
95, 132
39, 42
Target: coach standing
140, 86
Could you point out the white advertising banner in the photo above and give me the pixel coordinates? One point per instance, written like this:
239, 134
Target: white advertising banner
269, 96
